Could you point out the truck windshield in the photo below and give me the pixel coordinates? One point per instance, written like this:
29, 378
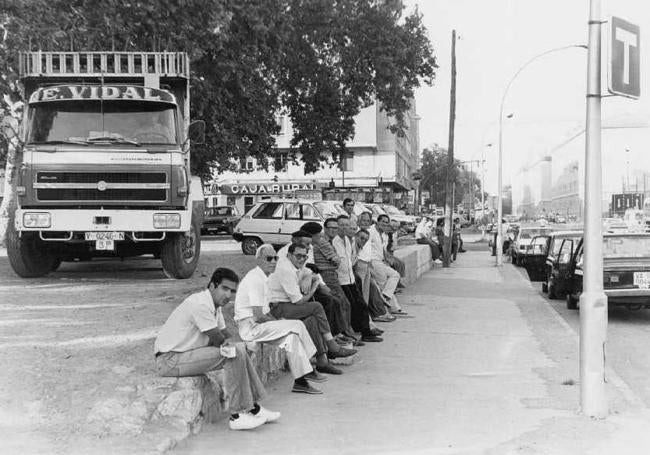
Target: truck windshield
89, 122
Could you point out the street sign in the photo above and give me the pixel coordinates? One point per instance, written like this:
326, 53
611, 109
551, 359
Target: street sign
624, 69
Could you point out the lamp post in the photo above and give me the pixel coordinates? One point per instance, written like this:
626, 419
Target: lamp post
499, 258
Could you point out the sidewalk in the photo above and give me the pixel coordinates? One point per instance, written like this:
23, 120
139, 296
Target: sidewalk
484, 366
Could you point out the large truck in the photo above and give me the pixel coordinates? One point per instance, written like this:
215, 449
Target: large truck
106, 167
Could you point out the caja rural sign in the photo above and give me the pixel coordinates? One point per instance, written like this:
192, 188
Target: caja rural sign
258, 188
100, 92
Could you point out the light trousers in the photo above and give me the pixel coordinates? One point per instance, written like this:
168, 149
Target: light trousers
288, 334
243, 387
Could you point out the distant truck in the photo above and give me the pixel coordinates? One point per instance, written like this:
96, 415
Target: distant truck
106, 168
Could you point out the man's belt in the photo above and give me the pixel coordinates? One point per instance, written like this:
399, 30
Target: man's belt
274, 304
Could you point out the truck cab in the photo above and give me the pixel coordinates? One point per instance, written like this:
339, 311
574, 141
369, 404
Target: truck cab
106, 167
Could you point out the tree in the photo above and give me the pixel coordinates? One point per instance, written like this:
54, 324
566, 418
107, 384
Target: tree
319, 61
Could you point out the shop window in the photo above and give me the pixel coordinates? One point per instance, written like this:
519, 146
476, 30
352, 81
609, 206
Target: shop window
269, 211
293, 212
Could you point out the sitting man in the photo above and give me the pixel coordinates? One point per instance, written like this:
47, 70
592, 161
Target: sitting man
194, 340
424, 236
346, 278
256, 324
336, 307
291, 298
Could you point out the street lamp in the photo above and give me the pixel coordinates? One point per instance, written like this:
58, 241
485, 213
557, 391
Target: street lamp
499, 245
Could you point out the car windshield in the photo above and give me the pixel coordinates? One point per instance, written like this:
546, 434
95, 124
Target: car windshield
530, 233
97, 122
631, 247
391, 210
557, 244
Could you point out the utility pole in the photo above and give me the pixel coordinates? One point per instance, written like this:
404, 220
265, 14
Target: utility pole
449, 210
593, 301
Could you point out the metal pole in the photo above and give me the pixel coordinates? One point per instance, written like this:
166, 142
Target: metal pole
593, 301
450, 157
483, 191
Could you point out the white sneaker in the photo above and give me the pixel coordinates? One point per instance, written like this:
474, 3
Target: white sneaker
267, 415
246, 421
437, 261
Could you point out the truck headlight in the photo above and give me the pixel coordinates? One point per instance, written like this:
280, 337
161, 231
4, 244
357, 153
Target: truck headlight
37, 220
166, 221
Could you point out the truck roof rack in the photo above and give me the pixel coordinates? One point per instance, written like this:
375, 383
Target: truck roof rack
103, 64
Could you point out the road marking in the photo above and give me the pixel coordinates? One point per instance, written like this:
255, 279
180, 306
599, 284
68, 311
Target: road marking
61, 307
89, 342
43, 322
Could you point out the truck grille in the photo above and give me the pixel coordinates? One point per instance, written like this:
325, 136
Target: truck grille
101, 186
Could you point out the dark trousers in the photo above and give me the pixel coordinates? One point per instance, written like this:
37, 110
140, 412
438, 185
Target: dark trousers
435, 249
360, 318
334, 307
311, 314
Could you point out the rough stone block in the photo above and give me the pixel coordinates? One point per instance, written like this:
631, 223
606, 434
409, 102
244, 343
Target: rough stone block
185, 404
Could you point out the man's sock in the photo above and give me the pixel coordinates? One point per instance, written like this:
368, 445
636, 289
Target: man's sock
234, 416
256, 409
301, 381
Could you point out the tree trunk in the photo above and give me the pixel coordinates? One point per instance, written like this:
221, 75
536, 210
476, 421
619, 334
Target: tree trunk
10, 127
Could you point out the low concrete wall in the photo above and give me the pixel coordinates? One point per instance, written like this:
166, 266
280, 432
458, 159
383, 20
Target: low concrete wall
417, 259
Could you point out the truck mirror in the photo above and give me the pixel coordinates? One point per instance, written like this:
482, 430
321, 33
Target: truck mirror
196, 132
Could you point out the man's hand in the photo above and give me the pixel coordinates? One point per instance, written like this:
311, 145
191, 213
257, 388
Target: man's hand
325, 289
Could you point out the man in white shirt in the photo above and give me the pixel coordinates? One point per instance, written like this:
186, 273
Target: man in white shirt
289, 298
194, 340
385, 276
423, 236
348, 206
252, 314
343, 246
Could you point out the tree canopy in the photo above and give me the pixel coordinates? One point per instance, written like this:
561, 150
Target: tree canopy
318, 61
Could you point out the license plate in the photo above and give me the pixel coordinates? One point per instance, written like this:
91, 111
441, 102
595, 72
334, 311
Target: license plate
613, 278
642, 280
105, 236
105, 245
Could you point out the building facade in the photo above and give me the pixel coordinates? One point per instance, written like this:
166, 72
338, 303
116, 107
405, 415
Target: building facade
378, 167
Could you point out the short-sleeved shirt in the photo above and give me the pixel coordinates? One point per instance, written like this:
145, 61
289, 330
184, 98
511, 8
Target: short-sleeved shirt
377, 244
185, 327
284, 283
344, 250
251, 292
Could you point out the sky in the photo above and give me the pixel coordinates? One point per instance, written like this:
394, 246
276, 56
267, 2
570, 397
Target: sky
547, 99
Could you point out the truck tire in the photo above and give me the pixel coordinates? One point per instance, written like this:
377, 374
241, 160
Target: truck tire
56, 262
28, 257
180, 252
250, 245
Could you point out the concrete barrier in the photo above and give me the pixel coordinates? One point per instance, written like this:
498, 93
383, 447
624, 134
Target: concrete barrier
417, 259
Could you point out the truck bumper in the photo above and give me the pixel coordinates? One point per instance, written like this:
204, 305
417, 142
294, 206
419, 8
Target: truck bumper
97, 220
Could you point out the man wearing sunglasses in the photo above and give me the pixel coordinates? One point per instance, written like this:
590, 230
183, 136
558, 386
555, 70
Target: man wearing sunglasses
252, 314
289, 301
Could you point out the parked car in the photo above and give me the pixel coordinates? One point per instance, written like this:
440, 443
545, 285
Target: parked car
541, 262
220, 219
406, 222
522, 239
626, 271
273, 221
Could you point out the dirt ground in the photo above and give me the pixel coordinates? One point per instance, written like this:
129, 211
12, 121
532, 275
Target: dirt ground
76, 337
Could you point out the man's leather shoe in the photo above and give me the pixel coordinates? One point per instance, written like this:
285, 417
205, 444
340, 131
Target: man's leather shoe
376, 332
358, 343
342, 352
328, 369
372, 338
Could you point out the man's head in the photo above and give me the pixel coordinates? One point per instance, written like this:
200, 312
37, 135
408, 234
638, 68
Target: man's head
223, 286
266, 258
297, 255
365, 220
344, 225
383, 223
348, 205
301, 238
331, 228
361, 238
313, 228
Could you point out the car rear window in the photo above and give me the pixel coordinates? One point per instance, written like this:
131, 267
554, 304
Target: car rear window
621, 247
269, 210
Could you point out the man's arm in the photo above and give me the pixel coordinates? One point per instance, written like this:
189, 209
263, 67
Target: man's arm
259, 316
217, 336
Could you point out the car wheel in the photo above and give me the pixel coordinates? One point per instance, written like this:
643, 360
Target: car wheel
544, 287
571, 302
250, 245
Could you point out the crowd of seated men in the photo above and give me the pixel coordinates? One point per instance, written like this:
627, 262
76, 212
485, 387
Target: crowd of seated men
318, 298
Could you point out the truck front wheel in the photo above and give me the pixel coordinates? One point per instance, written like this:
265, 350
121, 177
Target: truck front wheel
180, 252
27, 254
